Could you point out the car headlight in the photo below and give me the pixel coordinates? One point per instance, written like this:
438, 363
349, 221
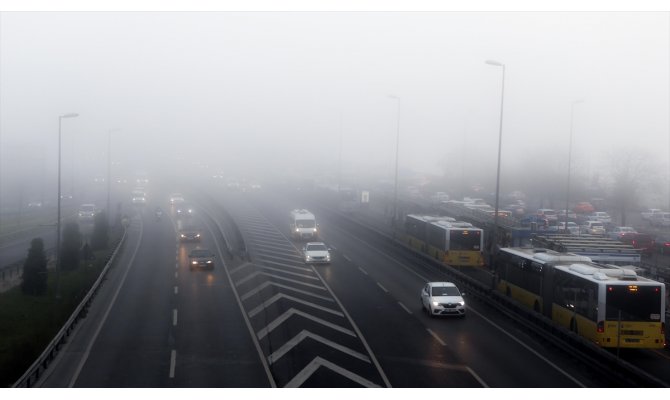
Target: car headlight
198, 235
209, 261
194, 262
314, 229
435, 304
327, 257
182, 235
308, 257
297, 230
461, 303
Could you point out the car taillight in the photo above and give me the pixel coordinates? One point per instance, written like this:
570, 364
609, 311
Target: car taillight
601, 327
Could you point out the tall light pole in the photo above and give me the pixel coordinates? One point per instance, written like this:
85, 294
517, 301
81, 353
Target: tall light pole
109, 173
60, 118
494, 239
567, 191
397, 145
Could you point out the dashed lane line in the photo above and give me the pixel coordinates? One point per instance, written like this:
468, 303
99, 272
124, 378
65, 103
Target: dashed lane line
405, 308
436, 337
173, 362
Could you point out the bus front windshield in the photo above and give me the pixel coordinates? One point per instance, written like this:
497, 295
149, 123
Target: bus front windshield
635, 303
305, 223
464, 239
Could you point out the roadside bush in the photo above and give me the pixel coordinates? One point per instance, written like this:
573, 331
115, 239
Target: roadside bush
69, 252
35, 270
100, 235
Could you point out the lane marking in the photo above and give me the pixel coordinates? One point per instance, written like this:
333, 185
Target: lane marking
257, 345
176, 290
176, 274
173, 362
174, 317
346, 257
84, 358
473, 310
405, 308
363, 271
382, 287
280, 296
540, 356
436, 337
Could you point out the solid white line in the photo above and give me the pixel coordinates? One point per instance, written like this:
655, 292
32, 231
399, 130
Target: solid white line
471, 309
176, 290
479, 379
528, 348
382, 287
363, 271
109, 308
174, 317
173, 362
436, 337
405, 308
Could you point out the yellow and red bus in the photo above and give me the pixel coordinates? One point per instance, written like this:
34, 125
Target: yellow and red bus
610, 305
443, 238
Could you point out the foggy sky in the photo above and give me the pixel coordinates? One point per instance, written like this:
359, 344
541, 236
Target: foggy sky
280, 90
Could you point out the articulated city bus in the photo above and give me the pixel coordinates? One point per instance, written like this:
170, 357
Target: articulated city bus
445, 239
609, 305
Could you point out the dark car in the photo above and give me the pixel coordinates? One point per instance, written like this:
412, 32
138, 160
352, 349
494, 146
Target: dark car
662, 244
189, 234
201, 258
642, 241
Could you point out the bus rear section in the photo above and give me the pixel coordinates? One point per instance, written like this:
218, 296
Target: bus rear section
455, 243
611, 306
633, 317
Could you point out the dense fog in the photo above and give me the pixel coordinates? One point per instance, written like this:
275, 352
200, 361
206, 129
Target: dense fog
323, 95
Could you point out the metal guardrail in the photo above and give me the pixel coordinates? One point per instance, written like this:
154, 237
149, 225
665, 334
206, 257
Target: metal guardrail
33, 373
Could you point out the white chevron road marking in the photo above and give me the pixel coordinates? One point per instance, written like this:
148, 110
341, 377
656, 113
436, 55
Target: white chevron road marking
288, 346
319, 362
291, 312
255, 291
279, 296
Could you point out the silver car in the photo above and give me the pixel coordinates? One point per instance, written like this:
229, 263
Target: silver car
316, 253
442, 298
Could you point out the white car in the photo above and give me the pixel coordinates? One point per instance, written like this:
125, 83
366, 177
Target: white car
87, 212
316, 253
442, 298
176, 198
593, 228
573, 228
602, 217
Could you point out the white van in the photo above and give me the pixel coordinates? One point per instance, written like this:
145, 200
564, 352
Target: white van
303, 225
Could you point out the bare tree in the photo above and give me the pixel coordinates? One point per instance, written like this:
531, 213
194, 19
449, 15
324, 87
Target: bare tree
630, 172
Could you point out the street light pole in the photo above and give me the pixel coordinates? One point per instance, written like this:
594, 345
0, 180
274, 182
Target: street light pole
567, 191
494, 239
109, 173
60, 118
397, 146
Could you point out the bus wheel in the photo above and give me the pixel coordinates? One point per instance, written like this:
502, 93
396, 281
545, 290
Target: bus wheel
573, 325
536, 306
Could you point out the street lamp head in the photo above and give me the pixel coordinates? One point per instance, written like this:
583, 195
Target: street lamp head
69, 115
496, 63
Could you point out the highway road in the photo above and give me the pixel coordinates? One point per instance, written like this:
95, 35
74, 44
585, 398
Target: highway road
266, 319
